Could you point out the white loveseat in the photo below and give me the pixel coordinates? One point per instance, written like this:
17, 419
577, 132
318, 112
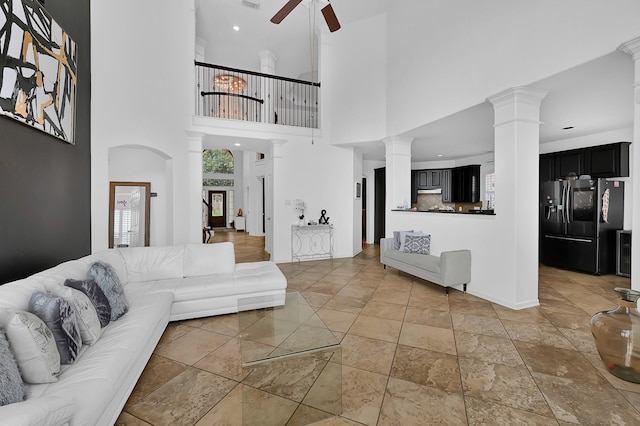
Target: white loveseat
161, 284
450, 269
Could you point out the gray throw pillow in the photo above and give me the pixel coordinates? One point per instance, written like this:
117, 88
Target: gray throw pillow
60, 318
397, 240
107, 278
12, 387
418, 244
97, 297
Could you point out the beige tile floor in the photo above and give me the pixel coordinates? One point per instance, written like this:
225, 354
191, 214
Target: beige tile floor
410, 355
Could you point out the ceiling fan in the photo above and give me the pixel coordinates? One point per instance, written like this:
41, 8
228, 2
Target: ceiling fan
327, 12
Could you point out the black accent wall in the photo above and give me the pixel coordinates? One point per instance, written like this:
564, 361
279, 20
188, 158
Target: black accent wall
45, 183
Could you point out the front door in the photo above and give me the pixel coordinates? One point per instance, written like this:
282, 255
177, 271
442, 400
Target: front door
218, 210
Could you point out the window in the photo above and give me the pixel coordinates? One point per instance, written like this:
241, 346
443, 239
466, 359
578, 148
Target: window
490, 189
217, 161
217, 182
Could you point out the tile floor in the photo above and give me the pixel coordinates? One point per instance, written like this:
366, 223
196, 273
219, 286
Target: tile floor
410, 355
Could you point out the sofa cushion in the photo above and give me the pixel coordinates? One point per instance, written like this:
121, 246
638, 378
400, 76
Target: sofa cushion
153, 263
209, 259
107, 279
12, 387
93, 291
86, 314
33, 345
419, 244
60, 317
427, 262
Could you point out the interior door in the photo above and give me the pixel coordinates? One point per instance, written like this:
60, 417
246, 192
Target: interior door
129, 214
218, 210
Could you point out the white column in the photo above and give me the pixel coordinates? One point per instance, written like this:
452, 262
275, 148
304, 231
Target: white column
517, 140
195, 187
633, 48
397, 173
267, 66
274, 227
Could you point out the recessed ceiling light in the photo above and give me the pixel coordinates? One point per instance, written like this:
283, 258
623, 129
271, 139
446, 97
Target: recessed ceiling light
440, 155
567, 128
236, 144
236, 28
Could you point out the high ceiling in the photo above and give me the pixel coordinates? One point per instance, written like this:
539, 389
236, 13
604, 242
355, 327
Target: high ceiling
591, 98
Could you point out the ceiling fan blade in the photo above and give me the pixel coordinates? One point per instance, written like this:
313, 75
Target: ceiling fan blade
286, 9
331, 18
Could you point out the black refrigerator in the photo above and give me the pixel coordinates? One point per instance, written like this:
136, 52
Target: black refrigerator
578, 223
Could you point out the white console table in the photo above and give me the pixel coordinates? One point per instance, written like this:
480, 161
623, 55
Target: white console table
311, 242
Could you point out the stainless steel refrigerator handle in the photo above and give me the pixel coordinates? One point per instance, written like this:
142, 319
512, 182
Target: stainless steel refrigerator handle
569, 202
563, 201
579, 240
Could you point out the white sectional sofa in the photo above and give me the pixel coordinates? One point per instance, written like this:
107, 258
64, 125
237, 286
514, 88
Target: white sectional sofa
161, 284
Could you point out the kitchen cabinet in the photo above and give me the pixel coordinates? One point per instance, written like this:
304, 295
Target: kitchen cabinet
446, 185
611, 160
465, 184
428, 179
602, 161
414, 187
547, 167
569, 163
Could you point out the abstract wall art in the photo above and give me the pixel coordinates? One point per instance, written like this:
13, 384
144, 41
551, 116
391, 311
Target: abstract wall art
38, 69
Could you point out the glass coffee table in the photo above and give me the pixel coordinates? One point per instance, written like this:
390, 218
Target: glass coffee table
292, 360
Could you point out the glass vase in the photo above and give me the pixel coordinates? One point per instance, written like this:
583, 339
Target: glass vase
617, 335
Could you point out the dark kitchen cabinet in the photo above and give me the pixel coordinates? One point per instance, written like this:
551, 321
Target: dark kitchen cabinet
569, 163
428, 179
547, 167
414, 187
446, 185
465, 184
602, 161
610, 160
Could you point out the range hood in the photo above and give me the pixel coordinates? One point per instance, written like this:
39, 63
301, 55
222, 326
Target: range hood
430, 191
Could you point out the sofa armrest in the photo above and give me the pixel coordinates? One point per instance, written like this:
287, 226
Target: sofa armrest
51, 410
386, 245
455, 267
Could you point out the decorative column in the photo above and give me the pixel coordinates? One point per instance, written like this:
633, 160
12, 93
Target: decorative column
275, 179
267, 66
632, 47
195, 224
517, 150
398, 173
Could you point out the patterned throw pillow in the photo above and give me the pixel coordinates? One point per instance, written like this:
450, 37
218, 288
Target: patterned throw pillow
88, 321
60, 317
107, 278
93, 291
418, 244
12, 387
34, 347
403, 237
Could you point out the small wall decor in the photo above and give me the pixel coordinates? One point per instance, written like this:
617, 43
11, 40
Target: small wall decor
324, 220
38, 69
358, 190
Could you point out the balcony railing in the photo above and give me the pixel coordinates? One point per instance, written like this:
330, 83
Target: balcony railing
236, 94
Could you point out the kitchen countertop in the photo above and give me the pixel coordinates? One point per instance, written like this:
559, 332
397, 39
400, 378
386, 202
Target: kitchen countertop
468, 212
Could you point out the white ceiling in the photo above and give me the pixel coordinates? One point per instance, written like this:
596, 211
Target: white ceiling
594, 97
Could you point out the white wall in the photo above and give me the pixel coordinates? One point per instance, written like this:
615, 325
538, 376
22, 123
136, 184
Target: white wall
461, 52
322, 176
254, 170
357, 92
357, 202
129, 164
142, 94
